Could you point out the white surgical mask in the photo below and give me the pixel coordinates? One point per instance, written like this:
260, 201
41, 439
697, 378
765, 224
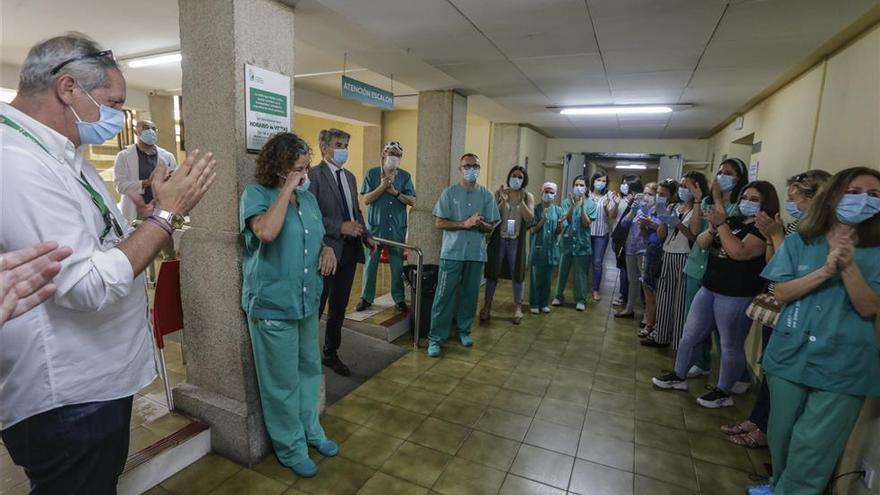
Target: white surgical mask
392, 162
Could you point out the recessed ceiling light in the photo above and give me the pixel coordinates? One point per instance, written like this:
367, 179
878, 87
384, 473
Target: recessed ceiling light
150, 60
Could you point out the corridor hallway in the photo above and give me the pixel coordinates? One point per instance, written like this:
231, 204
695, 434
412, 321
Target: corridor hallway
560, 404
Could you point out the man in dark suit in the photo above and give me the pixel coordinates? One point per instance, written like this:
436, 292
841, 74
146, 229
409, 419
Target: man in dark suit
336, 190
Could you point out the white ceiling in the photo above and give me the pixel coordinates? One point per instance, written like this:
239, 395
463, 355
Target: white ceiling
513, 58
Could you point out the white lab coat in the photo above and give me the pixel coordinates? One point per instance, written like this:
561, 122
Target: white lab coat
125, 176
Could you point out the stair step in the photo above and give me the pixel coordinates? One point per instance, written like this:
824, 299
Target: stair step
161, 460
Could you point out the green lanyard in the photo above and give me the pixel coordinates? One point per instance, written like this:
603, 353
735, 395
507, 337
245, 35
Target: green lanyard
97, 199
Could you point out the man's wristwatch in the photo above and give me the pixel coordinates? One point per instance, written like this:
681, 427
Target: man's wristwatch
172, 219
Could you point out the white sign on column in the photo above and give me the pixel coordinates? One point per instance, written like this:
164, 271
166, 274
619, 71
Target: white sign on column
267, 105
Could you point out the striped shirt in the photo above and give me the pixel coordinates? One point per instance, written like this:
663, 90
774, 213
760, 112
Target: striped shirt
600, 226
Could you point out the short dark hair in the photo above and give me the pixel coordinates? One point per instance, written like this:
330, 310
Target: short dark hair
595, 176
326, 136
635, 184
276, 157
671, 186
769, 198
468, 155
579, 177
518, 168
701, 181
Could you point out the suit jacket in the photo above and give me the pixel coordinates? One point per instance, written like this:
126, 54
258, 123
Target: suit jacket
325, 188
125, 176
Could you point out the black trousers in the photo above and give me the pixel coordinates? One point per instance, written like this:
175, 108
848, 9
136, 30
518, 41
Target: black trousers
761, 409
79, 449
337, 290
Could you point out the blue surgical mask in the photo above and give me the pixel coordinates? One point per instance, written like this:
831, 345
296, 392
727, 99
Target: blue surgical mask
661, 202
726, 182
792, 209
470, 174
304, 186
149, 137
108, 125
580, 190
549, 197
749, 208
516, 183
340, 156
685, 194
854, 209
599, 185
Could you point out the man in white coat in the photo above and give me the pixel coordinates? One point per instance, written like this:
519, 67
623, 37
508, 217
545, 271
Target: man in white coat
133, 168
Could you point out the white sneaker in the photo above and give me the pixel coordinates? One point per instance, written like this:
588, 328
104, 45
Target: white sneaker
696, 371
740, 388
580, 307
555, 302
545, 309
534, 311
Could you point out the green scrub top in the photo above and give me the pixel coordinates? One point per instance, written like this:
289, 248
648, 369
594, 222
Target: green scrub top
820, 340
576, 238
544, 250
457, 203
386, 217
281, 280
698, 259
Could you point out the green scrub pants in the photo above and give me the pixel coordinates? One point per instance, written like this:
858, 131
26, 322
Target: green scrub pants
807, 433
540, 281
395, 260
581, 266
458, 291
287, 358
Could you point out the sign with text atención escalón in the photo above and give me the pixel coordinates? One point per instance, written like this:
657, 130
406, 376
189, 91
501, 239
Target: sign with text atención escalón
363, 92
267, 105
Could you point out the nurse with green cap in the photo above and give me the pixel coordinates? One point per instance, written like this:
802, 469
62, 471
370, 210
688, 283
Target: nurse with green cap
547, 224
580, 211
823, 359
466, 212
283, 262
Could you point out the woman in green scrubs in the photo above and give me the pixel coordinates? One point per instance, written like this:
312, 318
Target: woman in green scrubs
284, 260
544, 255
823, 359
580, 211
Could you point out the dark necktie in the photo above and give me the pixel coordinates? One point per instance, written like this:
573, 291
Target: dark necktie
342, 195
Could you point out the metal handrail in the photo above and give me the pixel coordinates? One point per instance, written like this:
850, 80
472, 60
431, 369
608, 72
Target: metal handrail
417, 304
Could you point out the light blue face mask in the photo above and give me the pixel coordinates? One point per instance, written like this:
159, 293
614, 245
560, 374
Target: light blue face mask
749, 208
340, 156
108, 125
549, 197
726, 182
580, 190
661, 202
515, 183
599, 185
685, 194
792, 209
304, 186
470, 174
149, 137
854, 209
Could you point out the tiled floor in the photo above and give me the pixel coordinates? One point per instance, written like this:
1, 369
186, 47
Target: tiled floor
559, 404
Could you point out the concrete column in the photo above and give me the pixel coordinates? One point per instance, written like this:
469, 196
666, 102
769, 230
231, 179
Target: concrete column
217, 38
162, 114
441, 127
505, 152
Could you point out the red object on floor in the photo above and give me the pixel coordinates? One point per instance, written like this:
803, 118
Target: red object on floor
167, 314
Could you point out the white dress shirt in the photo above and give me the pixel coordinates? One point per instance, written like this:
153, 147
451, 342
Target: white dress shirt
336, 177
92, 341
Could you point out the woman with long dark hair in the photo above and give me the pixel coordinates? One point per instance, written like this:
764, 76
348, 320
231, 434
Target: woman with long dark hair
822, 359
576, 245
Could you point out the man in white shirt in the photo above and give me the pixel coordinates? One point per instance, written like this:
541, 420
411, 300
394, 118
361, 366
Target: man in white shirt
69, 367
133, 170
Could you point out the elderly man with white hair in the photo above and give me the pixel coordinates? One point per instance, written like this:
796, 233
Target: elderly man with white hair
466, 212
69, 367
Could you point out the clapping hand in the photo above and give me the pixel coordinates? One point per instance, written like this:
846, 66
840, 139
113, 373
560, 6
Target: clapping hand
503, 194
26, 275
716, 216
473, 221
769, 226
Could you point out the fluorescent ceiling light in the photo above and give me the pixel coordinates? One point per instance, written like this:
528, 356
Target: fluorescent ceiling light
148, 61
632, 166
616, 110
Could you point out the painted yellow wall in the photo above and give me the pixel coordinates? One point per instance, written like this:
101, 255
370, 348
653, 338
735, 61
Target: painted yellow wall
402, 125
308, 127
828, 118
533, 145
